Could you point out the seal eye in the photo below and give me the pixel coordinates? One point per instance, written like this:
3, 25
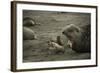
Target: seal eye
63, 32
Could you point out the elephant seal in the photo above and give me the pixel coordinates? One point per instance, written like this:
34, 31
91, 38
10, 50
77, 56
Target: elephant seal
28, 21
79, 35
28, 34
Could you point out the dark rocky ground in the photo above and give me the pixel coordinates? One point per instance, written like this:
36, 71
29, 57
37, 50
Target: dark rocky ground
51, 25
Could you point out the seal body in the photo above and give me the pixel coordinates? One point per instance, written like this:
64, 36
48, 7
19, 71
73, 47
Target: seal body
28, 34
79, 37
27, 21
